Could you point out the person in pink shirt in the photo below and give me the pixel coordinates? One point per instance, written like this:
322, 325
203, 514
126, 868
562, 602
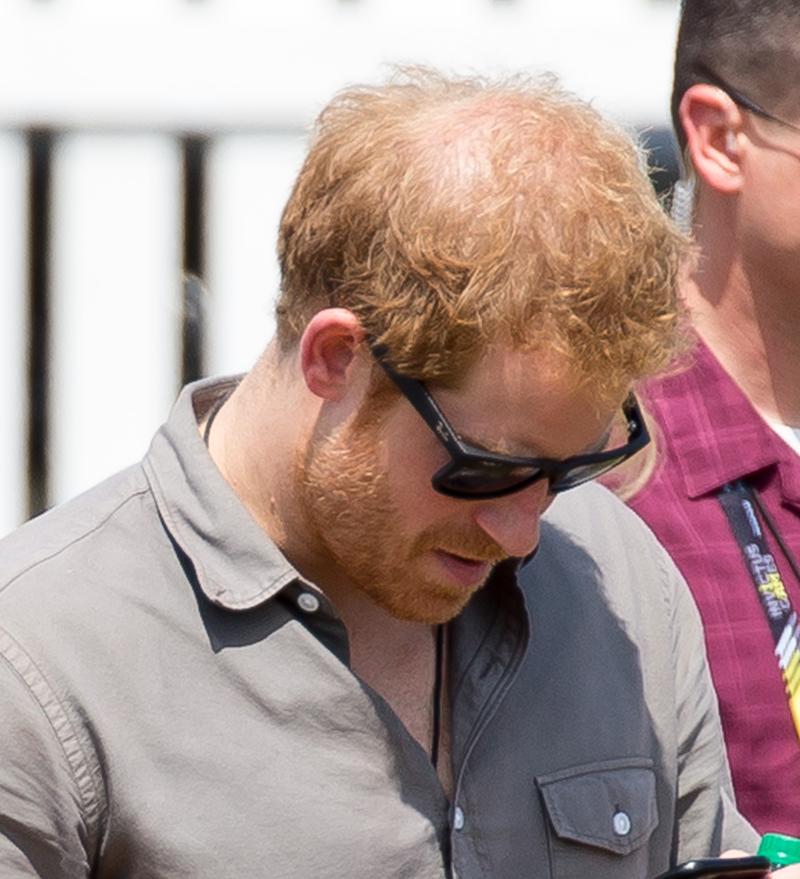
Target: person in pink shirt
725, 498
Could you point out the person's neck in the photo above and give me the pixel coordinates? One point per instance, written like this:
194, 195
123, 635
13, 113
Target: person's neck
749, 320
253, 442
379, 641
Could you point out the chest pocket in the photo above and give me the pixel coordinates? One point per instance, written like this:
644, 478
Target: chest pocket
601, 816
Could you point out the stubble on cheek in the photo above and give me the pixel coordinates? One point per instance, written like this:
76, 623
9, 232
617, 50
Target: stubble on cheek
351, 513
346, 503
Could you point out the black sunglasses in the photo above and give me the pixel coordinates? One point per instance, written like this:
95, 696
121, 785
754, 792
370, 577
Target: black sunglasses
474, 473
707, 75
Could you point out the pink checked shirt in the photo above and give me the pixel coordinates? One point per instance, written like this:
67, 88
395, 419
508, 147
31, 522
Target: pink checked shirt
711, 435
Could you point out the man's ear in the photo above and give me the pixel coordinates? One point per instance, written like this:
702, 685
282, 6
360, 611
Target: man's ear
328, 350
712, 124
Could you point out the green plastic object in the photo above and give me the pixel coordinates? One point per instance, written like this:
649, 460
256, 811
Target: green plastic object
780, 849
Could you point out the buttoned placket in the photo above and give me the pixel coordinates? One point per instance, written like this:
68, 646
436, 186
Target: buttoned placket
490, 677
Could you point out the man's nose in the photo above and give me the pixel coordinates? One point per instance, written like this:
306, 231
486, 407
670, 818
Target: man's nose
513, 521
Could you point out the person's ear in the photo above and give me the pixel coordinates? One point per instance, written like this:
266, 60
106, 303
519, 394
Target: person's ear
712, 124
328, 349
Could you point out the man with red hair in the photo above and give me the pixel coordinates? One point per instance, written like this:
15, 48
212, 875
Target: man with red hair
323, 629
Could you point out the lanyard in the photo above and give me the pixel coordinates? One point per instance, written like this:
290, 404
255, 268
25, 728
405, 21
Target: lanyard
438, 684
742, 507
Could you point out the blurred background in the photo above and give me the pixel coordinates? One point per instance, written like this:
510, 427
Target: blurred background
146, 150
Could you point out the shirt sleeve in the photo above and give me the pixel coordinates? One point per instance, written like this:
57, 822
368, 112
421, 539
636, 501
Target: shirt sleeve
708, 821
42, 827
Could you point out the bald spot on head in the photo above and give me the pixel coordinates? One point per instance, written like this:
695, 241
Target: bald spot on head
449, 214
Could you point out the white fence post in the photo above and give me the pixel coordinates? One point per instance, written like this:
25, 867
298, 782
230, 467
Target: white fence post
115, 296
13, 325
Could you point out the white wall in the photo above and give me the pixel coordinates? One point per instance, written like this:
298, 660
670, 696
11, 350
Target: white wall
250, 62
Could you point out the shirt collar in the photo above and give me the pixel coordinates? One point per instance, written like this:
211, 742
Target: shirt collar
237, 565
714, 432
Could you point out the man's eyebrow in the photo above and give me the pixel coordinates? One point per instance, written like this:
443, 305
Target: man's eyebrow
479, 446
597, 446
483, 447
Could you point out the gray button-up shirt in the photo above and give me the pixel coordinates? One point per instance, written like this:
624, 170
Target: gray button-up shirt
175, 701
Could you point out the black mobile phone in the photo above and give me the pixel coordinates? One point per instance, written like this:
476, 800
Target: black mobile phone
751, 867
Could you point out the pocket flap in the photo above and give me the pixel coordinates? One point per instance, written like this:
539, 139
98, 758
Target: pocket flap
611, 804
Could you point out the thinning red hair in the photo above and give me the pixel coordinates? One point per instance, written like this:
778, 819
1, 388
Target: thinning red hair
451, 214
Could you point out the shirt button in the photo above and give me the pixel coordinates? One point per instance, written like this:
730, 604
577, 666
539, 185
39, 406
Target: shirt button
308, 602
458, 818
622, 823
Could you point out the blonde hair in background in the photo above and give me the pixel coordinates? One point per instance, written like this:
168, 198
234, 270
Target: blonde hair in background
631, 477
449, 214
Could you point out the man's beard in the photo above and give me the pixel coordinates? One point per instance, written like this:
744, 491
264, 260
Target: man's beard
348, 505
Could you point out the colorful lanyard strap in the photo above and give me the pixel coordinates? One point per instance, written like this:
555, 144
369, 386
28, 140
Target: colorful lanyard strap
745, 513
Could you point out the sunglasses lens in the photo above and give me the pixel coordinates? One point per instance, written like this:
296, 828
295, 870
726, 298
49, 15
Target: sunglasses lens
483, 479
